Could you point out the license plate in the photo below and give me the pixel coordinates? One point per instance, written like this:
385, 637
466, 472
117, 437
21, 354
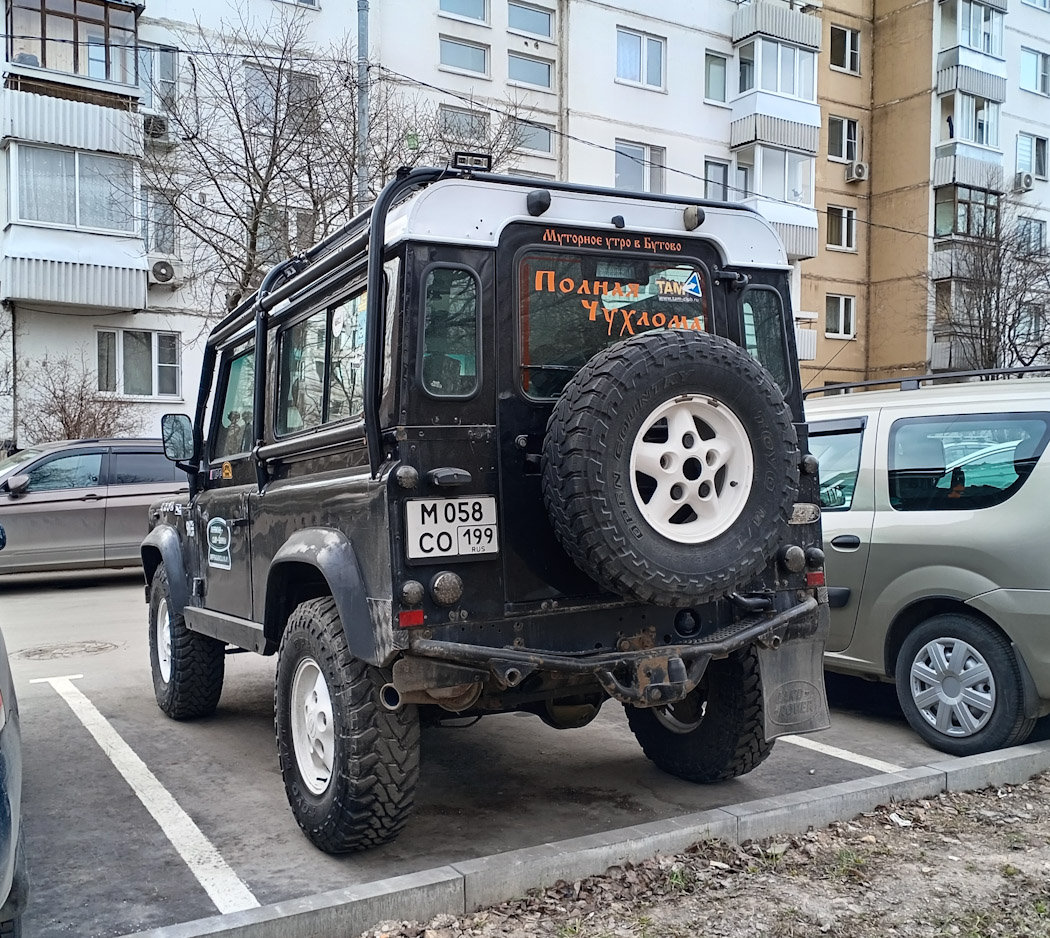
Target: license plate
439, 528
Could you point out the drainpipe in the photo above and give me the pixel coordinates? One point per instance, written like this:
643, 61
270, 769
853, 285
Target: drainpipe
362, 104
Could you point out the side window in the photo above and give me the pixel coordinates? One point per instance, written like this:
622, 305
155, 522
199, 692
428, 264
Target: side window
141, 468
346, 395
234, 426
78, 471
763, 316
839, 456
969, 462
450, 332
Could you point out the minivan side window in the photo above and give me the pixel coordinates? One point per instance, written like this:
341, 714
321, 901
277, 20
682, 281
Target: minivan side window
838, 454
967, 461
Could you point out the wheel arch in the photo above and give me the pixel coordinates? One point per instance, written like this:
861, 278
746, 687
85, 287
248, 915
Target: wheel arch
317, 562
163, 546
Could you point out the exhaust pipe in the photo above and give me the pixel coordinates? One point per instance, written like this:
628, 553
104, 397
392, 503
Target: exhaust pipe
390, 697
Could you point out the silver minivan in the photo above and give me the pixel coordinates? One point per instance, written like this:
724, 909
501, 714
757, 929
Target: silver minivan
936, 528
81, 503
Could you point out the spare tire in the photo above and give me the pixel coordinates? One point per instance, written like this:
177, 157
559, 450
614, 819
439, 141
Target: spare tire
670, 468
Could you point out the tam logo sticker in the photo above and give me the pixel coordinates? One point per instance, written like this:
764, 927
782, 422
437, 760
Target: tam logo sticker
219, 544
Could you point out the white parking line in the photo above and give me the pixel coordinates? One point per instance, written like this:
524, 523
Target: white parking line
223, 886
807, 743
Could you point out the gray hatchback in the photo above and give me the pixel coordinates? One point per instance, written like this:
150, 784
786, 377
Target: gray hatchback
81, 503
936, 531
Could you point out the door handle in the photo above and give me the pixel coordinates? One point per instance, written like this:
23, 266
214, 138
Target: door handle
846, 541
90, 497
238, 522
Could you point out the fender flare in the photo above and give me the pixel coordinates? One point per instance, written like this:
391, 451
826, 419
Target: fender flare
164, 541
332, 554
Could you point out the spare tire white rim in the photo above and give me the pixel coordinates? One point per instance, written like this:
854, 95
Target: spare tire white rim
692, 468
313, 735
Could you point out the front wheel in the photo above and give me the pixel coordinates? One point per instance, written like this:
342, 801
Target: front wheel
960, 686
350, 766
187, 667
714, 734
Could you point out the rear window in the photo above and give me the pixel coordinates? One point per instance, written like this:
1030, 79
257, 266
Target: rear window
965, 461
573, 305
142, 468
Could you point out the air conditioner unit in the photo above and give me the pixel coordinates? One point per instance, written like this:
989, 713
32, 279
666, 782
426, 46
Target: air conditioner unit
157, 129
1024, 182
857, 171
165, 273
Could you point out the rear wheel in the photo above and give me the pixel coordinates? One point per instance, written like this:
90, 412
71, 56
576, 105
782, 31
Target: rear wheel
350, 766
959, 685
715, 733
187, 667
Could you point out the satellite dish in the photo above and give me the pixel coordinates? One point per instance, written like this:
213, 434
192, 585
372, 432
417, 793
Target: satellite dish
163, 271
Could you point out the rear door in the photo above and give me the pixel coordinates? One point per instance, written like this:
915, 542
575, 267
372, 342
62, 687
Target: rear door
137, 478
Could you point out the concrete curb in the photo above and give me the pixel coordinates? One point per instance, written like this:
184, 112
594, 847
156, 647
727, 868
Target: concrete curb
464, 887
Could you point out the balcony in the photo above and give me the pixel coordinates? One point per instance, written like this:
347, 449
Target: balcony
37, 118
776, 21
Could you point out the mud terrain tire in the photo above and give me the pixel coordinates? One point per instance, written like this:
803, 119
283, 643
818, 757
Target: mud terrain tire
670, 468
350, 766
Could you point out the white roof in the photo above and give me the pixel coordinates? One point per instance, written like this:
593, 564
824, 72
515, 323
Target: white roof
472, 212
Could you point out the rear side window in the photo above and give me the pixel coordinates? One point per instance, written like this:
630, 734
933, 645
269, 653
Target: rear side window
763, 315
141, 468
450, 332
963, 462
838, 454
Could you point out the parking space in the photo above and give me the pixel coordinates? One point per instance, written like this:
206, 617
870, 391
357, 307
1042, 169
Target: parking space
104, 865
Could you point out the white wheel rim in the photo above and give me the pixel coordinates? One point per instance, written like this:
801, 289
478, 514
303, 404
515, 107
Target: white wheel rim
692, 469
164, 641
313, 735
952, 687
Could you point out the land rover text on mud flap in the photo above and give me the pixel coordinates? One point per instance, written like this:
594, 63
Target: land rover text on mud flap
500, 444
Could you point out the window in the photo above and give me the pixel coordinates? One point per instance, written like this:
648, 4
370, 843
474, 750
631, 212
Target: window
537, 137
746, 69
964, 211
845, 49
128, 468
529, 70
842, 228
626, 295
529, 19
322, 367
839, 455
1031, 233
839, 317
966, 461
639, 167
1031, 155
781, 68
464, 55
460, 124
842, 139
1035, 71
715, 70
158, 222
782, 175
139, 363
449, 364
75, 471
468, 9
639, 58
1040, 4
1031, 323
716, 181
981, 27
274, 95
74, 189
281, 232
763, 316
158, 78
233, 428
977, 120
97, 40
745, 174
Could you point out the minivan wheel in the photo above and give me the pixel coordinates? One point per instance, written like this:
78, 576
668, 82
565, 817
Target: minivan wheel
715, 733
960, 686
187, 667
349, 764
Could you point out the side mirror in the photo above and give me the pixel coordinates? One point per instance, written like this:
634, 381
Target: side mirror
17, 485
177, 434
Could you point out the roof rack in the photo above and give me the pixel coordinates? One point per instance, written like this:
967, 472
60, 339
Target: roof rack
914, 382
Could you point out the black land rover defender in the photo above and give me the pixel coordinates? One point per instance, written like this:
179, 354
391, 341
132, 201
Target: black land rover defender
500, 445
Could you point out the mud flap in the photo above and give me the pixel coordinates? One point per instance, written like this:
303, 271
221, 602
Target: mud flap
793, 694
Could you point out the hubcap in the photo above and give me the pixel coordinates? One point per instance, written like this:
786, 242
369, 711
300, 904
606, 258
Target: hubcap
691, 469
952, 687
164, 640
313, 736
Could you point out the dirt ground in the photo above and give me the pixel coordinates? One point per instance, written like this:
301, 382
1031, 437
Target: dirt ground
971, 864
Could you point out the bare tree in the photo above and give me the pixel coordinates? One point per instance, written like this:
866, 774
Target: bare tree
265, 135
994, 308
59, 400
